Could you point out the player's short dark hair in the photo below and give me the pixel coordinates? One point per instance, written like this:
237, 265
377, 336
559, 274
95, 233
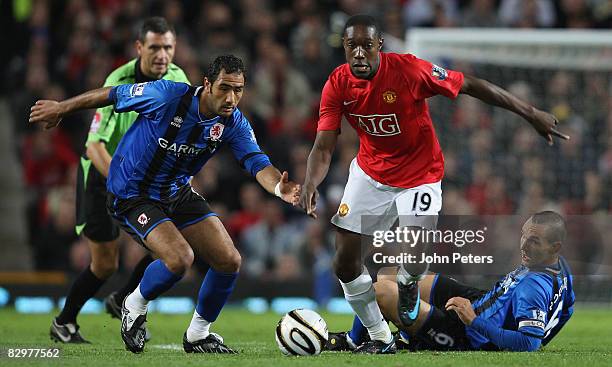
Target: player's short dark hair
230, 63
364, 20
556, 230
157, 25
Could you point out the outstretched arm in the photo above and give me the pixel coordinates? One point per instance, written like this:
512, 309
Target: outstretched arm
278, 184
51, 112
544, 123
316, 169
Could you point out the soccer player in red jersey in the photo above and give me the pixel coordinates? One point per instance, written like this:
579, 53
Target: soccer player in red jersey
399, 167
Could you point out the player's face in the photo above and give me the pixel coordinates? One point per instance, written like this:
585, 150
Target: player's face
156, 53
361, 49
224, 95
535, 248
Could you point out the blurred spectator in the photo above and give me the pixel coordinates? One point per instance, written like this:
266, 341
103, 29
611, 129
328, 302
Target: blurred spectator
393, 29
283, 94
496, 199
173, 12
251, 202
79, 255
527, 13
57, 232
471, 114
452, 174
475, 192
434, 13
532, 200
36, 80
47, 159
506, 124
455, 203
480, 13
318, 256
571, 167
594, 194
217, 34
346, 149
48, 164
271, 247
312, 54
605, 161
575, 14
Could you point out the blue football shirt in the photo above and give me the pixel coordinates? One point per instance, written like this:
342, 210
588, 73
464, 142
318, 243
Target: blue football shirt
170, 142
536, 302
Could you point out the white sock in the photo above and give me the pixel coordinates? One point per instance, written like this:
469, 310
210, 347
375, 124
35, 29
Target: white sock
360, 295
198, 328
136, 302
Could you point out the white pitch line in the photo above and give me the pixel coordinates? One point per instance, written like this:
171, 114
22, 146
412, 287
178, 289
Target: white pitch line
180, 346
166, 346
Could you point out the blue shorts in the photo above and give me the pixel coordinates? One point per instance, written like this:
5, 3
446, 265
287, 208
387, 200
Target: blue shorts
138, 216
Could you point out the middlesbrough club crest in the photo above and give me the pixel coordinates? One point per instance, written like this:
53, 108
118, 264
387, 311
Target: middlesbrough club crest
215, 137
143, 219
216, 131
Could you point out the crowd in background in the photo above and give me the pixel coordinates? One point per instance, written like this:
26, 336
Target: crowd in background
495, 162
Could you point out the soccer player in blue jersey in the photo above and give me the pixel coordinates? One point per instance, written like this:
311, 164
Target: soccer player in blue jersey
179, 128
522, 312
155, 46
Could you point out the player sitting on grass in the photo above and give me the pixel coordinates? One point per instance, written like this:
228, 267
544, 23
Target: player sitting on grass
523, 311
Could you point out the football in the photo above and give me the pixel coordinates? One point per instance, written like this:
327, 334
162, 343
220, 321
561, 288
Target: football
301, 332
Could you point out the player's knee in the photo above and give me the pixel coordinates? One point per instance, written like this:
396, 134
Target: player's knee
346, 269
186, 260
347, 260
104, 265
180, 260
230, 261
105, 268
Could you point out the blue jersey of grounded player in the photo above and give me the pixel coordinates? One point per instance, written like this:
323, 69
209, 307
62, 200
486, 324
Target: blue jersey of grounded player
524, 310
170, 141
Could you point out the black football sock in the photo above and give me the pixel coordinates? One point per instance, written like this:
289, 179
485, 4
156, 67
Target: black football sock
84, 287
135, 278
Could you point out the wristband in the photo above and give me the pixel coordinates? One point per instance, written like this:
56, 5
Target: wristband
277, 191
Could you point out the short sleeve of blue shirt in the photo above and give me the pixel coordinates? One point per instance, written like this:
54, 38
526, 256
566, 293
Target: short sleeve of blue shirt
529, 304
146, 98
244, 146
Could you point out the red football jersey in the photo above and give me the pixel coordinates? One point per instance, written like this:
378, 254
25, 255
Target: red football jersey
398, 144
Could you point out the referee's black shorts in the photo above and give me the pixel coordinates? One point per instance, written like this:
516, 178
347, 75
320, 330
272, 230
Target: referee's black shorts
92, 217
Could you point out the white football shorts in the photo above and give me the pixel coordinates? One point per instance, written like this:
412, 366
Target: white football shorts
368, 206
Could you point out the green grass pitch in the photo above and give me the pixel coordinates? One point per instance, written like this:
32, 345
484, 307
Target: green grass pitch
585, 341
